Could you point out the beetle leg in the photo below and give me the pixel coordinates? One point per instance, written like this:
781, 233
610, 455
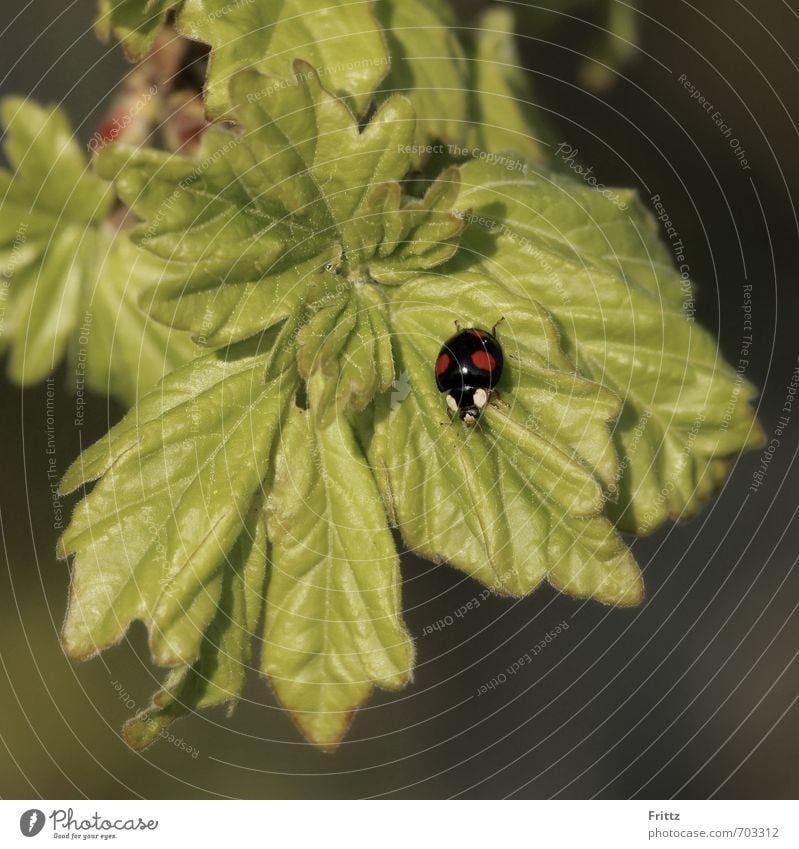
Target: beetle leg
495, 396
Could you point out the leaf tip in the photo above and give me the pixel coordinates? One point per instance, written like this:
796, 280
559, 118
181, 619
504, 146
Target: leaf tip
326, 731
144, 729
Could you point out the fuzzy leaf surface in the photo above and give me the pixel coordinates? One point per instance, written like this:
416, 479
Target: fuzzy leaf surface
341, 38
333, 625
50, 243
260, 224
178, 477
73, 284
617, 300
428, 65
518, 499
220, 672
121, 350
295, 214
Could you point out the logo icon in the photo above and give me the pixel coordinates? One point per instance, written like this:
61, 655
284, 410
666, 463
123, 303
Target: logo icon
31, 822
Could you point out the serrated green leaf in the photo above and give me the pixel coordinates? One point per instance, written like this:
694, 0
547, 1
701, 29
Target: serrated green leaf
179, 476
263, 221
617, 303
514, 501
415, 235
341, 38
50, 208
288, 215
429, 66
333, 624
72, 284
347, 342
120, 350
503, 116
219, 674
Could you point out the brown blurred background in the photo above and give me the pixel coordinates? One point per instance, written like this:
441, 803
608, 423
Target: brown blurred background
693, 694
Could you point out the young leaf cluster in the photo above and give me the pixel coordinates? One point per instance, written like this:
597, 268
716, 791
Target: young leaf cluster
295, 252
252, 492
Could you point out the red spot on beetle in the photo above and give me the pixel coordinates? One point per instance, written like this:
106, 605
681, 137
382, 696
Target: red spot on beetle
483, 360
442, 363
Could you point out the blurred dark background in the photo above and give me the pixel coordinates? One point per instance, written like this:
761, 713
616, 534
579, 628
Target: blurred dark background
691, 695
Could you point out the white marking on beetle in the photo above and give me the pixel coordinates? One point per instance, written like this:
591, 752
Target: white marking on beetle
452, 404
480, 398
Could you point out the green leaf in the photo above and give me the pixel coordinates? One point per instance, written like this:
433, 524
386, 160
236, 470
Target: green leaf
617, 300
173, 534
514, 501
50, 209
333, 626
503, 116
220, 672
415, 235
178, 478
295, 215
120, 350
429, 66
72, 284
262, 223
347, 342
341, 38
136, 23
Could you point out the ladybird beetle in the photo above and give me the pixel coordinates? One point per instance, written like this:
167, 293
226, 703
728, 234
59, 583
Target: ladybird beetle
468, 367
